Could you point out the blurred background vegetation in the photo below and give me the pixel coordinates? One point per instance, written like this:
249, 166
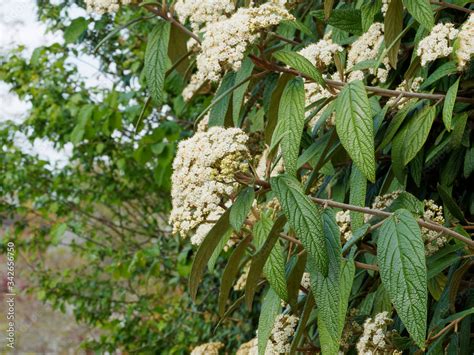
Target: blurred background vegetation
91, 234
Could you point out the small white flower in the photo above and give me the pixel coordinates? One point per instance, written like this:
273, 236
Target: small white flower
465, 39
437, 43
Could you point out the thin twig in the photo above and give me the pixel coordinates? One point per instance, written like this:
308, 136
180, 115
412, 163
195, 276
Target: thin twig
451, 6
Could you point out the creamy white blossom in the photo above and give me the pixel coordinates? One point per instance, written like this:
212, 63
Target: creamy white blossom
203, 178
225, 42
242, 280
385, 4
306, 280
194, 85
104, 6
437, 43
368, 47
376, 339
412, 85
321, 53
208, 349
203, 12
433, 240
465, 43
343, 220
283, 329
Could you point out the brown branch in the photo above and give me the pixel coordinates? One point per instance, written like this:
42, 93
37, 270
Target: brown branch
339, 84
451, 6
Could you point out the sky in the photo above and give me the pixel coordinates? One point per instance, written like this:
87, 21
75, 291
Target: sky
19, 26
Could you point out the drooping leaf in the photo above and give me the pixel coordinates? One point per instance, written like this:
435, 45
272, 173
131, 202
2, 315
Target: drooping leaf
449, 102
344, 19
301, 64
230, 273
156, 60
77, 27
274, 271
421, 11
368, 10
273, 107
440, 72
271, 307
469, 162
205, 251
401, 258
239, 93
450, 204
290, 123
355, 127
304, 218
328, 5
218, 113
393, 26
358, 190
241, 208
408, 142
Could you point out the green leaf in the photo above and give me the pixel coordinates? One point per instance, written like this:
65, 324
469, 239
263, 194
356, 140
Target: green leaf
440, 72
217, 251
450, 204
77, 27
230, 273
274, 271
239, 93
348, 20
83, 118
271, 307
408, 142
156, 60
449, 102
205, 251
368, 10
393, 26
460, 121
401, 257
260, 258
273, 107
217, 116
328, 5
395, 124
290, 123
301, 64
358, 190
241, 208
355, 127
304, 218
332, 291
469, 162
421, 11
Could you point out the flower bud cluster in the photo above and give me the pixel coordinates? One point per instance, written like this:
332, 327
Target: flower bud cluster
201, 13
203, 179
367, 47
321, 53
343, 219
437, 43
410, 86
432, 239
208, 349
104, 6
465, 48
282, 332
376, 339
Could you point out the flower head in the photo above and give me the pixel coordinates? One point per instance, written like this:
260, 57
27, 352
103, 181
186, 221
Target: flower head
437, 43
465, 41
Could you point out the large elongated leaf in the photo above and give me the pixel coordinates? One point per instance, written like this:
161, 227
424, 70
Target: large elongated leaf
304, 218
205, 252
271, 307
393, 26
273, 107
355, 127
358, 190
408, 142
217, 116
300, 63
449, 102
290, 123
239, 93
421, 11
327, 289
441, 72
401, 257
368, 10
241, 208
156, 60
344, 19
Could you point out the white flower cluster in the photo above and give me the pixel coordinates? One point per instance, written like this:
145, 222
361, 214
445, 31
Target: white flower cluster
203, 178
208, 349
385, 4
367, 47
343, 219
306, 281
384, 201
104, 6
248, 348
242, 281
433, 240
203, 12
282, 331
194, 85
465, 39
321, 53
351, 330
261, 168
411, 86
376, 340
225, 42
437, 43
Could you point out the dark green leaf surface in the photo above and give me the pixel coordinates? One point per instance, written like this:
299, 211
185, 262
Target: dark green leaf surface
449, 102
355, 127
421, 11
156, 60
218, 113
271, 307
401, 258
241, 208
300, 63
304, 218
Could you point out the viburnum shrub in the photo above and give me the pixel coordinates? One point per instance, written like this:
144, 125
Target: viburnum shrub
329, 170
